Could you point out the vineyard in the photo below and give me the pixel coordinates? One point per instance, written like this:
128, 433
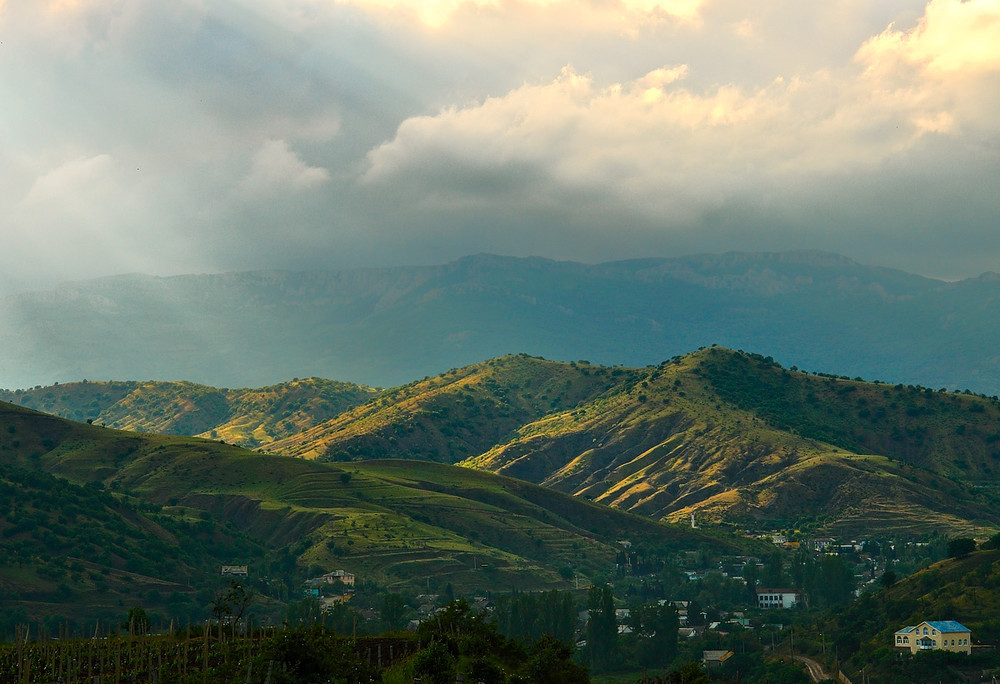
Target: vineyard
206, 655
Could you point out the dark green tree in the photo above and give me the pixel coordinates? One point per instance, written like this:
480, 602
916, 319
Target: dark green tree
137, 621
961, 547
602, 627
435, 663
394, 611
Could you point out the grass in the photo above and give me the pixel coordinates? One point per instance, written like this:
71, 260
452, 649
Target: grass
398, 522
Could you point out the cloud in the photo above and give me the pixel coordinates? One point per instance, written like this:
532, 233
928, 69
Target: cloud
665, 148
954, 36
436, 13
240, 134
276, 168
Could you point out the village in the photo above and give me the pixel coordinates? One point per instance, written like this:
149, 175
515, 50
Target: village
714, 603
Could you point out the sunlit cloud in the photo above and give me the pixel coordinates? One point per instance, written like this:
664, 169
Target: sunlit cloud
436, 13
953, 36
657, 143
389, 131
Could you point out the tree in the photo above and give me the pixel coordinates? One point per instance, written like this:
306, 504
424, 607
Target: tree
550, 662
752, 576
393, 611
961, 547
992, 543
308, 655
137, 621
655, 628
602, 627
232, 602
774, 571
435, 663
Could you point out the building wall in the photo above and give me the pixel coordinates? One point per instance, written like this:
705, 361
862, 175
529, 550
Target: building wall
956, 642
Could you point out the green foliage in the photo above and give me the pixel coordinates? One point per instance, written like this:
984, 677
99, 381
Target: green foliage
961, 546
308, 655
458, 640
530, 616
394, 611
602, 628
137, 621
435, 663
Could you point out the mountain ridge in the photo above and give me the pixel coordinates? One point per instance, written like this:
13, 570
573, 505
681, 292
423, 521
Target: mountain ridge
383, 327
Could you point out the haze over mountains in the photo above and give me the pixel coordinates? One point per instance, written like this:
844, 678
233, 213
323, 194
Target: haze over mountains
816, 310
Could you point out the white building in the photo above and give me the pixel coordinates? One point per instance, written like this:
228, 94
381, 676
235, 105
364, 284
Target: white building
777, 598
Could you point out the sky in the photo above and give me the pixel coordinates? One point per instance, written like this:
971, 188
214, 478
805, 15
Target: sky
198, 136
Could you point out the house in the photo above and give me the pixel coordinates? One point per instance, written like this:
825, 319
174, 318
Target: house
944, 635
343, 576
768, 597
712, 659
234, 571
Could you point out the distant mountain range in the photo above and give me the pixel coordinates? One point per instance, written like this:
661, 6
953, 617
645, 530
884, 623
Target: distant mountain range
385, 327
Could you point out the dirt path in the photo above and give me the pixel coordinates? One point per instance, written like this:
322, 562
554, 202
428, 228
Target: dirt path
816, 671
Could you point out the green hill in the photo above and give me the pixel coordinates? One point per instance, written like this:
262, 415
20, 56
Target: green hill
965, 589
731, 436
736, 437
458, 414
140, 515
247, 417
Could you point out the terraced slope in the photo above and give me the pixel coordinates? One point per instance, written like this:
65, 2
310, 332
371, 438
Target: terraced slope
247, 417
164, 498
731, 436
458, 414
735, 437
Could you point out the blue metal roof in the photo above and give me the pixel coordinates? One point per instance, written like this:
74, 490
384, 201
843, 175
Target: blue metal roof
944, 626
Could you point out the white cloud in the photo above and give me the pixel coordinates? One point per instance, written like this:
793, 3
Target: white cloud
153, 128
954, 36
276, 167
436, 13
659, 145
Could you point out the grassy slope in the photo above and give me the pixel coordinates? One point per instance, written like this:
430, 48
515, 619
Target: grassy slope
727, 434
397, 521
247, 417
456, 415
737, 437
965, 589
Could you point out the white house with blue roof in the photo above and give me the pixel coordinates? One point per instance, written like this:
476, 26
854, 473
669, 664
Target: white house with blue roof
940, 635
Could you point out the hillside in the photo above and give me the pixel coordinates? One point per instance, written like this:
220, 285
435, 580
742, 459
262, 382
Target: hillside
156, 515
246, 417
387, 326
458, 414
965, 589
736, 437
731, 436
